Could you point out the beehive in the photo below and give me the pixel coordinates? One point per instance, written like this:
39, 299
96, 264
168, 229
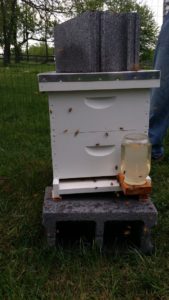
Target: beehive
89, 115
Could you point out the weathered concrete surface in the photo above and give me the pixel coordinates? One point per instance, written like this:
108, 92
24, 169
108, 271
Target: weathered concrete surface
100, 208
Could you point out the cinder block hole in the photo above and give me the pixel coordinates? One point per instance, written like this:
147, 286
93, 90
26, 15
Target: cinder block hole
122, 234
75, 232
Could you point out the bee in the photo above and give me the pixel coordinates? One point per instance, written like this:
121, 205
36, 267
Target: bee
127, 232
145, 229
76, 132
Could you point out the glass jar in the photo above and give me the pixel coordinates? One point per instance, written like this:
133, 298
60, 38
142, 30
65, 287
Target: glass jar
135, 158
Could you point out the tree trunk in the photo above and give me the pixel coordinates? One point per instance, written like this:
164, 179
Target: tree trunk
17, 54
46, 50
7, 53
27, 46
8, 19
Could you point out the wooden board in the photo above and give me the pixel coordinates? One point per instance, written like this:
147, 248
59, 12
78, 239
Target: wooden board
80, 186
135, 189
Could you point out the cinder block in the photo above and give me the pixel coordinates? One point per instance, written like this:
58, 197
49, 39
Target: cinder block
102, 209
119, 41
77, 44
97, 42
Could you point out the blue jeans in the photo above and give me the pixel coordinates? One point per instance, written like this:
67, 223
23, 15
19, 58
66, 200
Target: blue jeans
159, 105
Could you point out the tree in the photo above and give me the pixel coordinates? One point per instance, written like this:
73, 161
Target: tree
24, 30
8, 13
24, 20
40, 50
17, 27
148, 34
46, 25
18, 23
48, 12
79, 6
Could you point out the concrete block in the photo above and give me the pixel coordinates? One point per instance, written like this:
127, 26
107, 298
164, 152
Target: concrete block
102, 209
77, 44
119, 41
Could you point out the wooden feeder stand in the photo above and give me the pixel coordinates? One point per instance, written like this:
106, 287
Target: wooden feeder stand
130, 190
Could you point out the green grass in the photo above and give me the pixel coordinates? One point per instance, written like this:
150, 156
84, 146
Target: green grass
28, 268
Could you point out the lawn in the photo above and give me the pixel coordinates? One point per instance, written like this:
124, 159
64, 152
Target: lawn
29, 269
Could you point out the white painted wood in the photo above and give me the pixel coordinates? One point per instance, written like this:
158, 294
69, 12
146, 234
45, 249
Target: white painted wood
56, 184
78, 130
98, 85
88, 122
99, 111
55, 191
87, 154
73, 159
88, 186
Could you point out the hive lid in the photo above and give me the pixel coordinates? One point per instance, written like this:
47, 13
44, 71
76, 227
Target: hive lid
107, 76
51, 82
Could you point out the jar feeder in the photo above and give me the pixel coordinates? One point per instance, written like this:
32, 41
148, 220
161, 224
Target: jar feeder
135, 164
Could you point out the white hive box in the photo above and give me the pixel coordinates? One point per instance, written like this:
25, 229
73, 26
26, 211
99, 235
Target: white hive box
89, 116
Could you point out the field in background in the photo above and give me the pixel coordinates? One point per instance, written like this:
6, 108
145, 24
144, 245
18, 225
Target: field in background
28, 268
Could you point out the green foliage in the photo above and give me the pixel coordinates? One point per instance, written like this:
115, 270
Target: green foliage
8, 17
36, 19
120, 5
40, 50
27, 21
1, 29
84, 5
149, 31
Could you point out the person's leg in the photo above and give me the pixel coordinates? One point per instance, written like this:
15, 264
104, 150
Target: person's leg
159, 107
159, 120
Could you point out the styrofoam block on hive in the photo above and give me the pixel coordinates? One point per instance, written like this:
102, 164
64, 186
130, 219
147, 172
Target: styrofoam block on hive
77, 44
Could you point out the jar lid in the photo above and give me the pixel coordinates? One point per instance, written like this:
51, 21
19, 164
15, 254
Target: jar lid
136, 138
